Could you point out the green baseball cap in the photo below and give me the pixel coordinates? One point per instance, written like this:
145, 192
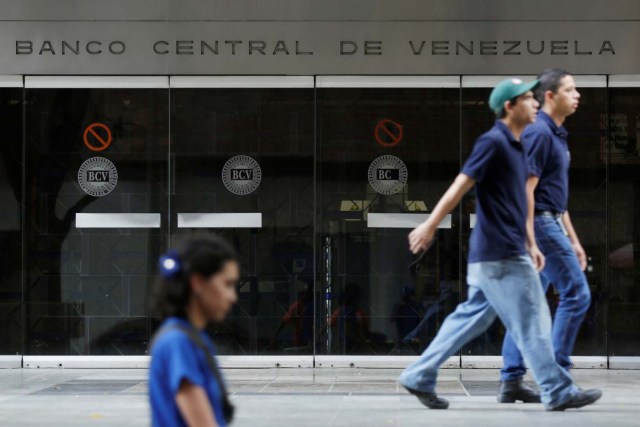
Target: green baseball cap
508, 89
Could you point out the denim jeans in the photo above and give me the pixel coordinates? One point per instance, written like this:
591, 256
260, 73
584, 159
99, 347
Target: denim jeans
562, 269
511, 290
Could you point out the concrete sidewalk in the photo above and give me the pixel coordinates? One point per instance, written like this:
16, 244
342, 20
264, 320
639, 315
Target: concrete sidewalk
307, 397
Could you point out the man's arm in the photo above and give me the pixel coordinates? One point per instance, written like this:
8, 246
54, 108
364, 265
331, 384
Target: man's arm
423, 234
536, 256
575, 242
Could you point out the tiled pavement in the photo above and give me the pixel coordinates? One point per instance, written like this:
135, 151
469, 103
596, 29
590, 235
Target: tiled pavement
306, 397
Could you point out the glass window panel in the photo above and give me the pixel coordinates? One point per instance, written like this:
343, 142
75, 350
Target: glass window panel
273, 130
624, 222
87, 288
11, 168
370, 303
587, 207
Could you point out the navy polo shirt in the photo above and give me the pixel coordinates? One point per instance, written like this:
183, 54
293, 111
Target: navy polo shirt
549, 157
498, 164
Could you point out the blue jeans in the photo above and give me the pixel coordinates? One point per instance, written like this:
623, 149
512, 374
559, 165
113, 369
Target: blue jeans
562, 269
511, 290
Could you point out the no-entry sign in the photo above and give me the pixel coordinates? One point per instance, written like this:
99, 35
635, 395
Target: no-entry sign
97, 137
388, 133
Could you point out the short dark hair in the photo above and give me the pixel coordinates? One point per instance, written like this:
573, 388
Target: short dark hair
549, 80
202, 254
503, 112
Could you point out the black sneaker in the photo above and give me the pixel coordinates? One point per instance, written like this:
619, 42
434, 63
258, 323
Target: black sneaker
429, 399
580, 399
517, 390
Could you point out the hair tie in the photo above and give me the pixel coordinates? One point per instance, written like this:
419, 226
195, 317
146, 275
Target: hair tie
170, 265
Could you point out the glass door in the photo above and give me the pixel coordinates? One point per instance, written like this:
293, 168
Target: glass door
242, 152
388, 147
622, 145
11, 189
96, 179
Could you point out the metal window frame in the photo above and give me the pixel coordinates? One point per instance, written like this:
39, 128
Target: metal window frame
86, 362
376, 362
96, 82
624, 362
11, 81
590, 80
381, 82
8, 361
302, 361
489, 81
624, 80
142, 362
241, 82
495, 362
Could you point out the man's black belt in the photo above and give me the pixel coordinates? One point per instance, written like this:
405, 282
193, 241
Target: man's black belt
551, 214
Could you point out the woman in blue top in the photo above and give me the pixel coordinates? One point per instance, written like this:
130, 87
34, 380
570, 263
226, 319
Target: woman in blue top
198, 285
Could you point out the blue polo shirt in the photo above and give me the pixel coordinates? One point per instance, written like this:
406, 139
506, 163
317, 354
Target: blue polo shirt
175, 358
498, 164
549, 158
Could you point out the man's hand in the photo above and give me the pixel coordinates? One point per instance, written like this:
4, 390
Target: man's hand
420, 237
537, 257
581, 254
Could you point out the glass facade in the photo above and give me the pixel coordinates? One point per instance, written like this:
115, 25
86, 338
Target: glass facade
274, 127
316, 186
11, 225
372, 303
86, 288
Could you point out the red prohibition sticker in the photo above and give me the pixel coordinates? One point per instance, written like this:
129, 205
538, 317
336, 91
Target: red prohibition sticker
97, 137
388, 133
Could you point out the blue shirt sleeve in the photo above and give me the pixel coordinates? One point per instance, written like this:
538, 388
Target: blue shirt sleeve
181, 357
537, 145
479, 162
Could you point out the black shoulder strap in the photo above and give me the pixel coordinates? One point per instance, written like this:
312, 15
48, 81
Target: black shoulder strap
194, 336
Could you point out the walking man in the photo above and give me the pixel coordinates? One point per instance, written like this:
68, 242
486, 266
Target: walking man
565, 261
502, 279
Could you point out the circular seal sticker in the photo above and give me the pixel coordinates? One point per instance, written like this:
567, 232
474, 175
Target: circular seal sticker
241, 175
97, 176
388, 174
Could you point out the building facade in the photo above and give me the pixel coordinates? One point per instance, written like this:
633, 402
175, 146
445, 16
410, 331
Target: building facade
314, 136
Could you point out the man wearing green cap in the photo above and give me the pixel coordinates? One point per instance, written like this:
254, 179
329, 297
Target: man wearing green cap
503, 257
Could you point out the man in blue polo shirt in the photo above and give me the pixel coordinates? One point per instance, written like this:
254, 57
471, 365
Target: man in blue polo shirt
502, 279
548, 186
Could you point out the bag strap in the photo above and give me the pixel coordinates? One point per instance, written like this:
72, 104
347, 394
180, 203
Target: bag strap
227, 407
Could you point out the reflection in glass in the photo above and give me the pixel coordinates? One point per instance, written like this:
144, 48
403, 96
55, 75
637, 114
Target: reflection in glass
370, 302
273, 127
624, 221
11, 327
87, 288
